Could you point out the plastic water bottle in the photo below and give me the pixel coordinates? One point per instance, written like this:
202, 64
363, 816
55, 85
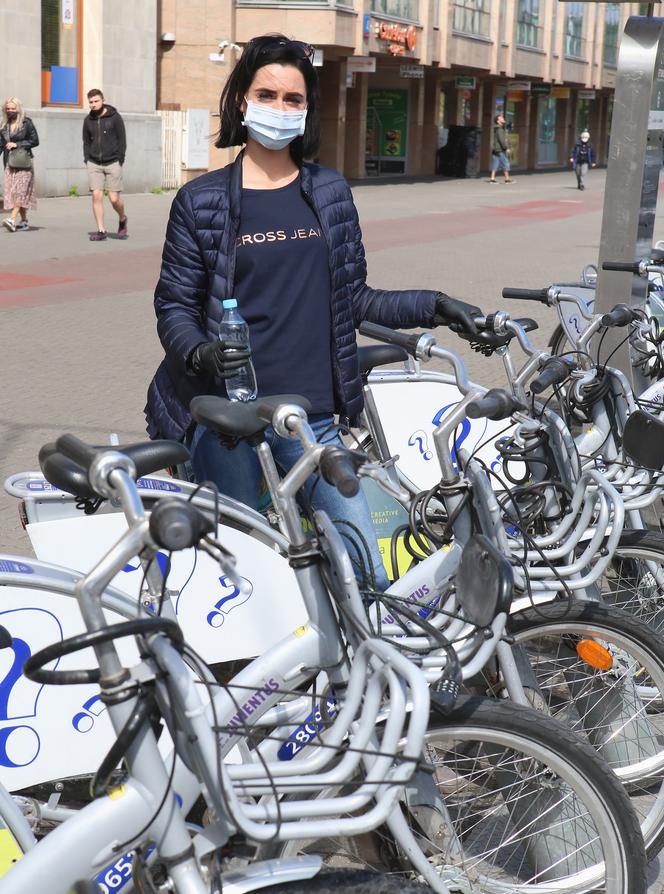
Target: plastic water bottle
242, 385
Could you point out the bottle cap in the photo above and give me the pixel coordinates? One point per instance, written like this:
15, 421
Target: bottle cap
230, 302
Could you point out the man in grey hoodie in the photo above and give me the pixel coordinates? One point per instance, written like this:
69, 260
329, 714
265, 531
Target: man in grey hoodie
104, 147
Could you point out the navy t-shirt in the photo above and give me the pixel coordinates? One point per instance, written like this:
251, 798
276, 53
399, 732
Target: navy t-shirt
282, 287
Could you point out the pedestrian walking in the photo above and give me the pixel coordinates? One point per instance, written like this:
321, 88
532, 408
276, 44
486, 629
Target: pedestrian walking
582, 157
18, 137
104, 148
282, 237
500, 150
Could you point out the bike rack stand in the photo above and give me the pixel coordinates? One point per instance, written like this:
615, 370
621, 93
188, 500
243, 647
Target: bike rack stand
632, 178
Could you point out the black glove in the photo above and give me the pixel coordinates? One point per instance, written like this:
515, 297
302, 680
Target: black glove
219, 358
456, 314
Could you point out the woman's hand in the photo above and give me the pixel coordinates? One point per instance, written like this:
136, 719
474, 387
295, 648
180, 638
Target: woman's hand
10, 145
221, 358
458, 315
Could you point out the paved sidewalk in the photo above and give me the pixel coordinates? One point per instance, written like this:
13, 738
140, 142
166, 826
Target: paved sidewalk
78, 332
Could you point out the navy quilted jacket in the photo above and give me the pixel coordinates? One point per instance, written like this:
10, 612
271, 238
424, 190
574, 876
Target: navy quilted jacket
197, 274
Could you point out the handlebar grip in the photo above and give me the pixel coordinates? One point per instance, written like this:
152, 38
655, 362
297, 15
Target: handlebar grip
496, 404
541, 295
554, 372
76, 450
621, 266
176, 524
621, 315
337, 466
391, 336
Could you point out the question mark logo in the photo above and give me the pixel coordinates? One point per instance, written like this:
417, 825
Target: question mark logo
233, 597
420, 438
20, 743
85, 719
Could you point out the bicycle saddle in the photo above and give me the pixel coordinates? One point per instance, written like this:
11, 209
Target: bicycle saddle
148, 457
239, 419
371, 356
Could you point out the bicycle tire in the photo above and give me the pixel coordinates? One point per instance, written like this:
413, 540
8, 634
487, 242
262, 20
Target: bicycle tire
611, 709
348, 881
564, 756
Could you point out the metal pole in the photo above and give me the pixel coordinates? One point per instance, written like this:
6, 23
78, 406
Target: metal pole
632, 178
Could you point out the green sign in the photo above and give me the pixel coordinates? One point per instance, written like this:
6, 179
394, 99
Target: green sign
543, 89
465, 82
387, 123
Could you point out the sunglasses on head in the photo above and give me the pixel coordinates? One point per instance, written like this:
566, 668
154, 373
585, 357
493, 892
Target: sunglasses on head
299, 48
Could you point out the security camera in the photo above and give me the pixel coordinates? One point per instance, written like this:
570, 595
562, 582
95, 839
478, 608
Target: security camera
226, 44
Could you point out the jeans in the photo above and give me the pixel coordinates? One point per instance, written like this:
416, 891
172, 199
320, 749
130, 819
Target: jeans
237, 473
581, 171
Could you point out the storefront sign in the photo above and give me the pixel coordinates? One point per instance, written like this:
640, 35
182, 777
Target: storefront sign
411, 71
465, 82
387, 123
361, 64
560, 92
366, 26
521, 86
517, 95
586, 94
399, 37
541, 89
67, 12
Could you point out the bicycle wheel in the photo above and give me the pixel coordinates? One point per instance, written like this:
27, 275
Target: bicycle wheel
524, 806
634, 580
600, 672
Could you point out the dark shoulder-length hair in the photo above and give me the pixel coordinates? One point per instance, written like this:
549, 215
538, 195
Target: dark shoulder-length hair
267, 50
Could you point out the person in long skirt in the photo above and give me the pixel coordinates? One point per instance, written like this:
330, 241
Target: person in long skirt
18, 137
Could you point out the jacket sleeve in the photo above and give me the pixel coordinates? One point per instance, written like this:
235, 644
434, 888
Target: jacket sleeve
575, 155
86, 142
122, 138
181, 294
396, 309
31, 139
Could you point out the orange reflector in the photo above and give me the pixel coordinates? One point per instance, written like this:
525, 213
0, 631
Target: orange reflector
594, 654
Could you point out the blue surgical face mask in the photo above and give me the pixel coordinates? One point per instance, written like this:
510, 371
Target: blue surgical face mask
273, 128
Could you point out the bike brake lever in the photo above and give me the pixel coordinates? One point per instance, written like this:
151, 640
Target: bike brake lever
382, 478
226, 561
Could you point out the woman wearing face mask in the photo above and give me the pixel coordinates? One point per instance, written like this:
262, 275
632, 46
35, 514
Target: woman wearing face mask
18, 137
282, 237
583, 157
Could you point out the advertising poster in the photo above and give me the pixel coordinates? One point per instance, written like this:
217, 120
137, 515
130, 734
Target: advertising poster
388, 121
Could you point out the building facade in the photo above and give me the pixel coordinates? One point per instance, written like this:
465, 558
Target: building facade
412, 86
53, 51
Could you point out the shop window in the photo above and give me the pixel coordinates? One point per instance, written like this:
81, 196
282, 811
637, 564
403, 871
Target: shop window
528, 29
611, 26
471, 17
582, 115
574, 30
61, 33
398, 9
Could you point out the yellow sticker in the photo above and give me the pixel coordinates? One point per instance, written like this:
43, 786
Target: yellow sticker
300, 631
117, 792
10, 852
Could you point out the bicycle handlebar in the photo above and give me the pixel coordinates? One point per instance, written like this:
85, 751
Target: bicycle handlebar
391, 336
554, 372
338, 467
496, 404
621, 315
541, 295
622, 266
76, 450
176, 525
